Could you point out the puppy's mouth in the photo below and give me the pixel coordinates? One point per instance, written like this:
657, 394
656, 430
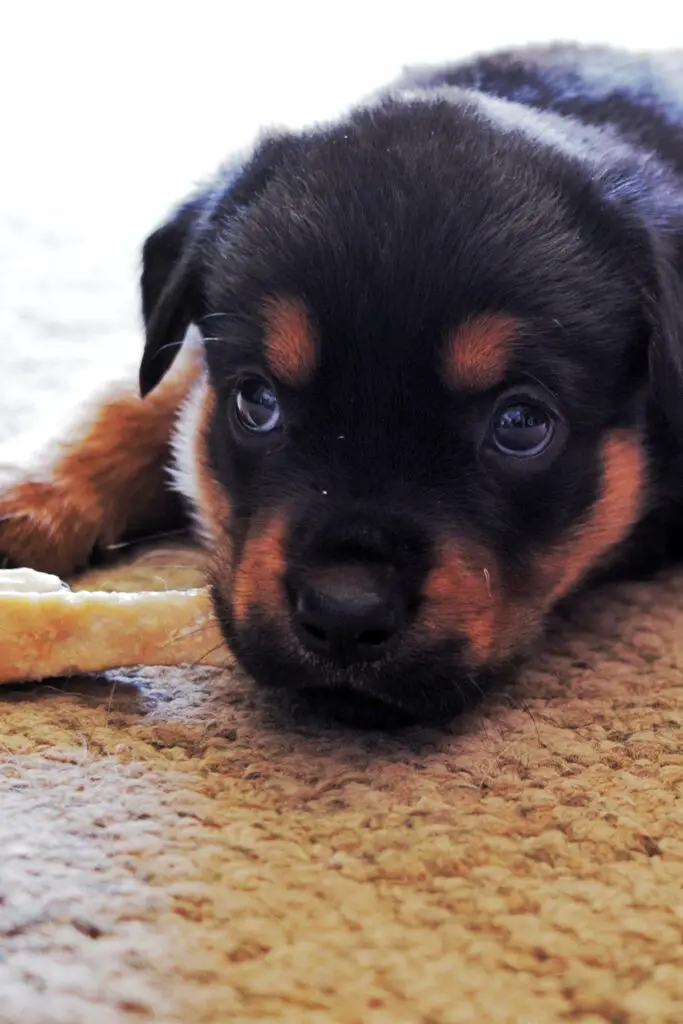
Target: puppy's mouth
425, 694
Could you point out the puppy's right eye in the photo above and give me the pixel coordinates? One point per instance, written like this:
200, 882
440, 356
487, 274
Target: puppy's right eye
257, 408
522, 429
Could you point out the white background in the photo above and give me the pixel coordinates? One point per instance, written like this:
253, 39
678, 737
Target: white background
120, 106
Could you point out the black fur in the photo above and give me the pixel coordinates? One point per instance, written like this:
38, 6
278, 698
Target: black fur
544, 184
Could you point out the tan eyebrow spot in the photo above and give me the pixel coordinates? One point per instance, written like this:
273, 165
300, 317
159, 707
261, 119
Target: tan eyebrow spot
289, 341
479, 350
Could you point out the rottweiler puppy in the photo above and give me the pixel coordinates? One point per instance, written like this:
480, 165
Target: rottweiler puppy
429, 378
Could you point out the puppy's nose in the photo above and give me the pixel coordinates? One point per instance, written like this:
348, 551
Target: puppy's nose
348, 615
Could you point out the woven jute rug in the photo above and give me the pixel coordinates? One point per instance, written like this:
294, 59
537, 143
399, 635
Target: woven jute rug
177, 847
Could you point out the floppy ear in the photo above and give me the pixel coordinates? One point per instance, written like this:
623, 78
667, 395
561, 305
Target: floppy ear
167, 285
664, 309
170, 289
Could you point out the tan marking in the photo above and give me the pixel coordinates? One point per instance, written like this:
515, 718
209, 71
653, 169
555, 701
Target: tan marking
465, 597
289, 342
258, 578
611, 518
478, 352
214, 509
461, 599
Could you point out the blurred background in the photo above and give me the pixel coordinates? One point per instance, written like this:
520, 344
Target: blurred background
111, 111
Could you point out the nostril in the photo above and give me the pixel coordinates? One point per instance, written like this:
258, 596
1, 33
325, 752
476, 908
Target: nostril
314, 631
374, 637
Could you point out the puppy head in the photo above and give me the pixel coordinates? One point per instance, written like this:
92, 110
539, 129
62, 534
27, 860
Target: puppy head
424, 416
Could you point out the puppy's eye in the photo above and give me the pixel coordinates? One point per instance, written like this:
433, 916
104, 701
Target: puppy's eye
522, 429
256, 406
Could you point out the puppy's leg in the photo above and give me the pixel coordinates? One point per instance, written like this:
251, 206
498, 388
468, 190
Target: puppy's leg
104, 482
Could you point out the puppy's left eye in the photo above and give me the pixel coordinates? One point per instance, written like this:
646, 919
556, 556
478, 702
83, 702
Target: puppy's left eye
523, 428
256, 406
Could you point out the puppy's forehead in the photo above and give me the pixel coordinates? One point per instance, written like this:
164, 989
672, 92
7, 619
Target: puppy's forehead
305, 348
475, 354
409, 240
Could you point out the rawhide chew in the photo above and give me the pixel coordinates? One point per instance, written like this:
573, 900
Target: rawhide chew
47, 630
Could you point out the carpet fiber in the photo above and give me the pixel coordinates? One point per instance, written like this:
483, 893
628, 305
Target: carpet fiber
176, 847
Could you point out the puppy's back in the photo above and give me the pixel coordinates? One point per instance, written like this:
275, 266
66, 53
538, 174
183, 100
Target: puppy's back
638, 94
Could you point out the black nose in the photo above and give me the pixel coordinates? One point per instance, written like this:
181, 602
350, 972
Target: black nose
348, 615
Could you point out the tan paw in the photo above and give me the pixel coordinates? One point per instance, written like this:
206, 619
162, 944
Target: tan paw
44, 527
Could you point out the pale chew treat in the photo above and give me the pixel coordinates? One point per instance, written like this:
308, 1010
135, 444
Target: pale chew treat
47, 630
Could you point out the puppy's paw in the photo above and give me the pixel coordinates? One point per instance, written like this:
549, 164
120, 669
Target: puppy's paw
44, 527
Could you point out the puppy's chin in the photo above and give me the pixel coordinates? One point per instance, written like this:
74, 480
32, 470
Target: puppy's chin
386, 702
357, 709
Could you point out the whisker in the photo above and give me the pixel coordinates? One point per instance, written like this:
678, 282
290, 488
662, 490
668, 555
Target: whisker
482, 693
121, 544
212, 650
517, 702
536, 380
155, 574
170, 344
191, 632
109, 705
209, 316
